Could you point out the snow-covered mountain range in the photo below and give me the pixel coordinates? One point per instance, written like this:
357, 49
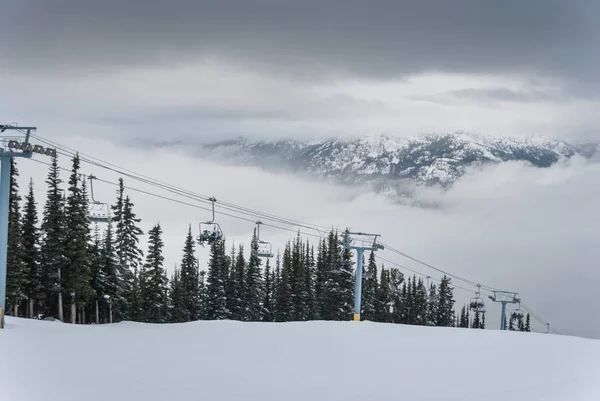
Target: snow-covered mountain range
392, 164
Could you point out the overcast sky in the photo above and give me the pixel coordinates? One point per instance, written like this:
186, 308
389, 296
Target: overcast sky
208, 69
99, 74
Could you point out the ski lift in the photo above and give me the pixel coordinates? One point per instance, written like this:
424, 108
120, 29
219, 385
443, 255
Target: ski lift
98, 212
264, 249
476, 304
205, 233
517, 313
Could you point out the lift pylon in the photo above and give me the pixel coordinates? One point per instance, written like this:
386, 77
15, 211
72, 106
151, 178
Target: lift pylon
504, 297
361, 242
11, 147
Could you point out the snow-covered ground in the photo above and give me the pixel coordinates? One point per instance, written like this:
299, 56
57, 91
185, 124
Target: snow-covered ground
317, 361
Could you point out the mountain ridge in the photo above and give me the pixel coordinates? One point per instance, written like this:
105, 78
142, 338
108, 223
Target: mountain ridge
383, 161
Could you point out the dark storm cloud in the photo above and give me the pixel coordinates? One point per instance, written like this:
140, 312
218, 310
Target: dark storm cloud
307, 38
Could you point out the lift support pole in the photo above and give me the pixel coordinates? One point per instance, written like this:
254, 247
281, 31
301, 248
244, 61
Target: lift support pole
369, 243
6, 156
504, 298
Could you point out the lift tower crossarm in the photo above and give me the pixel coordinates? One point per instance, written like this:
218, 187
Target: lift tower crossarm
504, 297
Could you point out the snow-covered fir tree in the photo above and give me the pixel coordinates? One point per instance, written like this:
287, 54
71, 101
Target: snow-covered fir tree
34, 287
77, 273
153, 280
52, 250
16, 275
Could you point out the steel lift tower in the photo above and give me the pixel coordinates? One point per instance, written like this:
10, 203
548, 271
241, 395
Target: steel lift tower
11, 147
363, 242
504, 297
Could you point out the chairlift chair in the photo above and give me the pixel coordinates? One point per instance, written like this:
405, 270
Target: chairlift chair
517, 313
476, 303
98, 212
215, 234
264, 249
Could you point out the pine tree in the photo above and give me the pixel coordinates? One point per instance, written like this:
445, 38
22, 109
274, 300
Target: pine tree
153, 280
527, 327
321, 276
117, 217
421, 304
237, 277
77, 231
16, 274
520, 324
384, 298
302, 281
401, 305
276, 284
309, 297
254, 284
52, 251
347, 283
409, 301
202, 295
133, 257
476, 321
369, 294
232, 302
445, 303
296, 280
396, 285
99, 280
511, 325
216, 279
464, 320
268, 300
337, 283
123, 275
432, 305
189, 279
129, 255
283, 292
34, 290
482, 325
177, 310
113, 287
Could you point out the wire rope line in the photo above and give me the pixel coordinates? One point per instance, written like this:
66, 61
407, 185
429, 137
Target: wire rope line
420, 273
470, 282
177, 190
185, 203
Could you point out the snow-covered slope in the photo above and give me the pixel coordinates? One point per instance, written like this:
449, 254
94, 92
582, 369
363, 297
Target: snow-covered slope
382, 161
321, 361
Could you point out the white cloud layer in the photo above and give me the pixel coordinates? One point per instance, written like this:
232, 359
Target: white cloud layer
205, 101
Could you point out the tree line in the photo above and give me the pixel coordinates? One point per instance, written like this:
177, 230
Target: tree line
66, 268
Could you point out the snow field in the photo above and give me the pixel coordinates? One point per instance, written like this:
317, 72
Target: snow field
320, 361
